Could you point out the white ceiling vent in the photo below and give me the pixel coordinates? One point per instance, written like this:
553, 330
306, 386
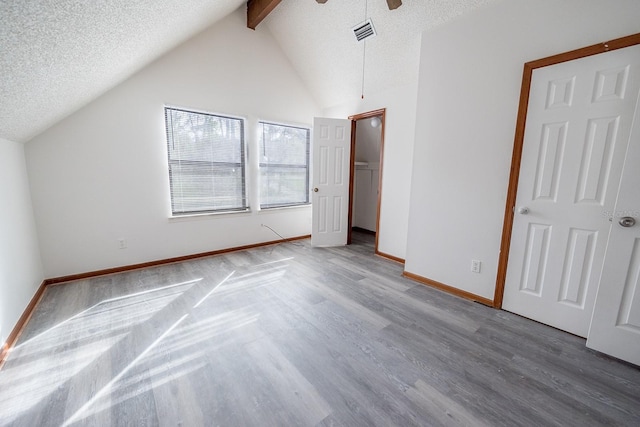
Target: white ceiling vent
364, 30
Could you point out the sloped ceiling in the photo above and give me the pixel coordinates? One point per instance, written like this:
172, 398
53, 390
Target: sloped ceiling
319, 41
56, 56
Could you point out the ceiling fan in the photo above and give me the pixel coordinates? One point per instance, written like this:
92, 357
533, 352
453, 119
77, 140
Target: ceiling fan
393, 4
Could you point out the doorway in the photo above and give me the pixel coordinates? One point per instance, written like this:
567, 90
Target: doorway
365, 184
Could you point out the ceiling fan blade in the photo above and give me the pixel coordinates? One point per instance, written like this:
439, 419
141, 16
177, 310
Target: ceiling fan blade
393, 4
321, 1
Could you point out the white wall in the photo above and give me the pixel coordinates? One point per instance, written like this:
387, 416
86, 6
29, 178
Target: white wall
367, 141
470, 77
20, 265
101, 174
367, 176
400, 124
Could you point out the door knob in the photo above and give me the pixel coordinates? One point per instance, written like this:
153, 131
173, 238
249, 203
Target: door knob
523, 210
315, 189
627, 221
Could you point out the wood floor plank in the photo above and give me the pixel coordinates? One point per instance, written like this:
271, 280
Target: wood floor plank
440, 408
291, 335
361, 311
303, 403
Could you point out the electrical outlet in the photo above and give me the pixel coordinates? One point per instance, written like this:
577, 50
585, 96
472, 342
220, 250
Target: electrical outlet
122, 243
476, 266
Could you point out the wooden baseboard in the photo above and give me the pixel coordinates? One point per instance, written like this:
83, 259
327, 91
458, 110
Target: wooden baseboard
90, 274
390, 257
448, 289
4, 351
17, 330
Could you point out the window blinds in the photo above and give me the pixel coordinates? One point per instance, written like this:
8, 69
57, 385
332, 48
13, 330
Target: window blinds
206, 162
284, 165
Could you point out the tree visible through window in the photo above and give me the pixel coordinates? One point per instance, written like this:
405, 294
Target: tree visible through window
206, 162
284, 165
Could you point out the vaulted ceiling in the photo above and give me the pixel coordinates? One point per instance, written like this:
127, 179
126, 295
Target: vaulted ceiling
320, 44
56, 56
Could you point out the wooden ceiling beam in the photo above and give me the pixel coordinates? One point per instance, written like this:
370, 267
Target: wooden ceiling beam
257, 10
394, 4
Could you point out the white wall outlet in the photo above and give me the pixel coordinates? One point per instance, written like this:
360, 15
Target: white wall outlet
122, 243
476, 266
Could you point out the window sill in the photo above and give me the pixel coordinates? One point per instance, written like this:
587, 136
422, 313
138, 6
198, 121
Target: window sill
277, 208
205, 215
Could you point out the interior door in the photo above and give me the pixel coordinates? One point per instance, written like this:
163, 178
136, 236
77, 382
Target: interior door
330, 195
615, 326
576, 135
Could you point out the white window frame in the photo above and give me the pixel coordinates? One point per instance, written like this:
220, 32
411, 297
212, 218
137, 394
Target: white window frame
262, 164
243, 164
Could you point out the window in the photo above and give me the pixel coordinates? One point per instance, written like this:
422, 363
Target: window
206, 162
284, 165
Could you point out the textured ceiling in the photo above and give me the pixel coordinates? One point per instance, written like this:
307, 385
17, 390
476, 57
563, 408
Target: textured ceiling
319, 41
58, 55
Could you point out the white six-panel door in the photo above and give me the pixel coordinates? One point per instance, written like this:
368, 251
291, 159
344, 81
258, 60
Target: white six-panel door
577, 131
330, 194
615, 326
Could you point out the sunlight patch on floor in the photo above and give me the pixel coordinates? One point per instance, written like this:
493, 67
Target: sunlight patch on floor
73, 345
179, 351
82, 412
77, 344
33, 381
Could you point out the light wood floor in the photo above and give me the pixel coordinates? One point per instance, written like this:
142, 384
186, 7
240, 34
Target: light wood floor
290, 335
